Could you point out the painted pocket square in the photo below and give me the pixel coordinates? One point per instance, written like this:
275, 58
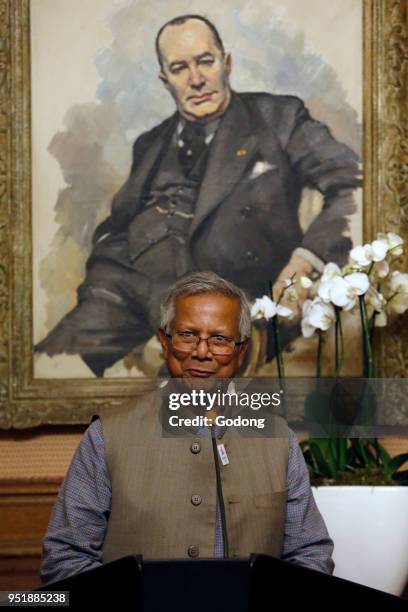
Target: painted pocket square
260, 168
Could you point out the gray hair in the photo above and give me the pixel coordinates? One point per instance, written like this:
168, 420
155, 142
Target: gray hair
205, 282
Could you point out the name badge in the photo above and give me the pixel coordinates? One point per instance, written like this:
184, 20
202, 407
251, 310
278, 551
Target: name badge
223, 454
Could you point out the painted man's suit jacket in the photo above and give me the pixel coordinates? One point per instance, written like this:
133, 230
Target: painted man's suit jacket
246, 224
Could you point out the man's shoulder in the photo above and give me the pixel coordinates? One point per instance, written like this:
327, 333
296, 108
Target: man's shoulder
140, 404
271, 104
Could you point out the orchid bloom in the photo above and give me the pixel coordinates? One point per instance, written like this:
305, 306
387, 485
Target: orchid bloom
375, 299
381, 269
265, 308
290, 294
399, 282
376, 303
380, 249
305, 282
398, 285
316, 314
344, 292
362, 255
394, 243
330, 271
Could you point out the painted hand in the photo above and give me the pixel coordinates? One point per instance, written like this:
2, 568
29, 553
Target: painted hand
295, 295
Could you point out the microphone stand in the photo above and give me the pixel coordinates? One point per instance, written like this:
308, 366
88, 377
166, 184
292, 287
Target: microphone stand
219, 494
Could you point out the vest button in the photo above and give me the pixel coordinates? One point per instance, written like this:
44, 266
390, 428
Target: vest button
193, 551
196, 499
195, 448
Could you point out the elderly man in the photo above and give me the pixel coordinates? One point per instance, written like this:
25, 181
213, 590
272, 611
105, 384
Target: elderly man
216, 186
130, 489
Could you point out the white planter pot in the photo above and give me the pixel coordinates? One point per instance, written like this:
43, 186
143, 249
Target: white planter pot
369, 528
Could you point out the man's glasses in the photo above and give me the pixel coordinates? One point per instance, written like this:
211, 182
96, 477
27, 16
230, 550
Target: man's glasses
187, 342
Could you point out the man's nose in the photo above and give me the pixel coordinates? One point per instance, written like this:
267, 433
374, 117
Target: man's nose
202, 351
196, 77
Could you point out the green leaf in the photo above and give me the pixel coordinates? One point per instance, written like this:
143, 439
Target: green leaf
342, 453
321, 452
401, 477
310, 464
363, 457
379, 452
397, 461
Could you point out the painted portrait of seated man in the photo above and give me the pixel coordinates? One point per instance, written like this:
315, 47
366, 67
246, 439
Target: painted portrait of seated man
215, 186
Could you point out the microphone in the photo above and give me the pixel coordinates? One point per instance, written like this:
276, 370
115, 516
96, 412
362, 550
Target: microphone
211, 415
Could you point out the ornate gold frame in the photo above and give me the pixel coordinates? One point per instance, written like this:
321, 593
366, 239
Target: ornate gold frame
28, 402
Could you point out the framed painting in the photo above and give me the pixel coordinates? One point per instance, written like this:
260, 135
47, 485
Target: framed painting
79, 88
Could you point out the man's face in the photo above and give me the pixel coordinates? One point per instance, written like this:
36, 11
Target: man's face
195, 71
206, 315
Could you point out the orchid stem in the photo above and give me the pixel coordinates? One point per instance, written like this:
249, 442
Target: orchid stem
341, 342
279, 359
368, 355
275, 325
319, 358
278, 348
337, 336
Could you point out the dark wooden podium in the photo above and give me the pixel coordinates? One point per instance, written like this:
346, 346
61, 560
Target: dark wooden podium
259, 583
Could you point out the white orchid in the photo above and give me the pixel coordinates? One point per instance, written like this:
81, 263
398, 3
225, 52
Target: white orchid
376, 303
330, 270
307, 328
398, 287
395, 244
264, 307
375, 299
344, 292
291, 294
362, 255
399, 282
305, 282
316, 314
381, 269
399, 303
380, 319
379, 249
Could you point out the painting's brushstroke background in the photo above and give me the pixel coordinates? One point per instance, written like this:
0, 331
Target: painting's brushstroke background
95, 88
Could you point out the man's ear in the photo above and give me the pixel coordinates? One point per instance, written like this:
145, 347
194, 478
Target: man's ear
163, 79
228, 62
163, 341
